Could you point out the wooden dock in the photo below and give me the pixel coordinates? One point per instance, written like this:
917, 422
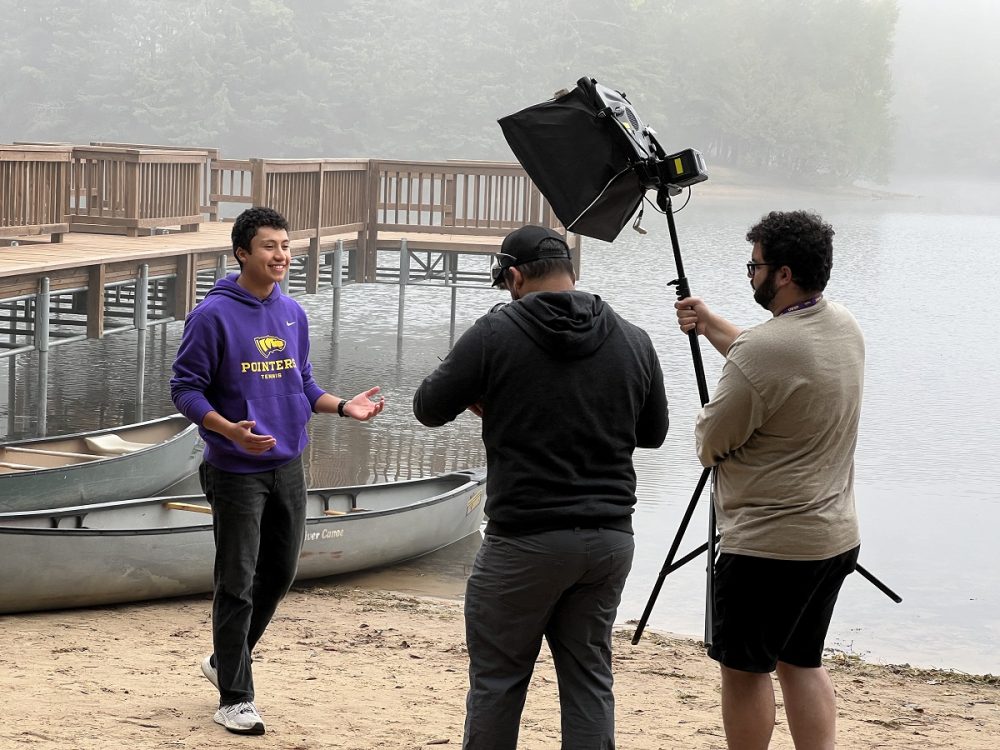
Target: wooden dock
84, 227
110, 237
83, 261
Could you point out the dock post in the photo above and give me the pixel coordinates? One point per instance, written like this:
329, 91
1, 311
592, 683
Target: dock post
141, 314
404, 278
337, 276
451, 270
220, 266
11, 379
42, 346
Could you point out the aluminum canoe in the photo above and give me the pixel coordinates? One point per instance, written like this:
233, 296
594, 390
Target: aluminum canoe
137, 460
151, 548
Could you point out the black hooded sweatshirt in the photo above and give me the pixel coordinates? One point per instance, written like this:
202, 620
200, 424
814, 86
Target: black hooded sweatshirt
568, 390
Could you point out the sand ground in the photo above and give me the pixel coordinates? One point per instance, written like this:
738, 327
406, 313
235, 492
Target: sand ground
344, 667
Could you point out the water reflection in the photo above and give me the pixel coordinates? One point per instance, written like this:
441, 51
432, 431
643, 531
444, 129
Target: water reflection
920, 287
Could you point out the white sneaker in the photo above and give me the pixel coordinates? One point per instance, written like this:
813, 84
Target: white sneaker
210, 672
240, 718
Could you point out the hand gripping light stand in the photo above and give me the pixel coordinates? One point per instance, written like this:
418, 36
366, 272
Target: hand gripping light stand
593, 159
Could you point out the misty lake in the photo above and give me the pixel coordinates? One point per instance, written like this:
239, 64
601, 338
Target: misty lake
920, 284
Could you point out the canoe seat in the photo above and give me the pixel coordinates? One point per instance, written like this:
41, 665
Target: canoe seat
331, 512
174, 505
17, 467
112, 445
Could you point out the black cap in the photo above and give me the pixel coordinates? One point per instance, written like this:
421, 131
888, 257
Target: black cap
526, 244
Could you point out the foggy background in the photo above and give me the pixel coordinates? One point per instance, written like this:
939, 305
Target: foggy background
883, 115
816, 92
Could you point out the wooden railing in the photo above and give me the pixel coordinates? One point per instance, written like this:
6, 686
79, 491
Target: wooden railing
460, 196
209, 155
127, 190
232, 182
318, 196
132, 188
34, 181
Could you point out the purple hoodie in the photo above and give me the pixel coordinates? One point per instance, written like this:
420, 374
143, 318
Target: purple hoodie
246, 359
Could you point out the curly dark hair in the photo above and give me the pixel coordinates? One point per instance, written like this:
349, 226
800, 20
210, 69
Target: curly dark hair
800, 240
247, 223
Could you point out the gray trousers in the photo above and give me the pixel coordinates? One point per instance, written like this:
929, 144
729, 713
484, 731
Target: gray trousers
564, 585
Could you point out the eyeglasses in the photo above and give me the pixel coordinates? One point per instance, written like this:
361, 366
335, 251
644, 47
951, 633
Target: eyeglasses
498, 267
752, 267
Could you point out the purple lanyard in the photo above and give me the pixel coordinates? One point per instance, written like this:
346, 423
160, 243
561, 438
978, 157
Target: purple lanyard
800, 305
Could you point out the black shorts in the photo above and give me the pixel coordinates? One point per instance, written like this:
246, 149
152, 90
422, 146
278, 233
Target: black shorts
768, 610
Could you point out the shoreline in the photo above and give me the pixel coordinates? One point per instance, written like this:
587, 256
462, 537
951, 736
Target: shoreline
727, 186
730, 191
346, 667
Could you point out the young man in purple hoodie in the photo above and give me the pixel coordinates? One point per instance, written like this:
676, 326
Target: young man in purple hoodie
242, 374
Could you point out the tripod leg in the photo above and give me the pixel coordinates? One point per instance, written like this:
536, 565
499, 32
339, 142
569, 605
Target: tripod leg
668, 566
710, 571
879, 585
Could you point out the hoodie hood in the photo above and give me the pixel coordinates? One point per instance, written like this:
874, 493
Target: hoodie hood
570, 325
228, 287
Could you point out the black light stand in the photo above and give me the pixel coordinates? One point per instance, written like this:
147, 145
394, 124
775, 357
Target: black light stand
683, 290
663, 200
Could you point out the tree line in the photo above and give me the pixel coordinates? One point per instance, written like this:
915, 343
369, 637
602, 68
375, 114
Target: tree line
797, 87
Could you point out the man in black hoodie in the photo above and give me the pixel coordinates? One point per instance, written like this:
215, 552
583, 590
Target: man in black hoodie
566, 390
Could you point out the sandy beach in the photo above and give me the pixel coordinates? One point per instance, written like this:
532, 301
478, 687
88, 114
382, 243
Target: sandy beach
347, 667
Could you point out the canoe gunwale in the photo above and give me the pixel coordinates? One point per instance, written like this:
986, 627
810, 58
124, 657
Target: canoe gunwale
81, 511
102, 431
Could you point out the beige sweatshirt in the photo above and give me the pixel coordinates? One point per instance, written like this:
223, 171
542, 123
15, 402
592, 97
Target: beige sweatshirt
782, 428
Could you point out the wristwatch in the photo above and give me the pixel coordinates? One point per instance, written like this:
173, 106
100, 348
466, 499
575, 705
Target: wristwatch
340, 407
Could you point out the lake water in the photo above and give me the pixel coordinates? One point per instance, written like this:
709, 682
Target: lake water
922, 288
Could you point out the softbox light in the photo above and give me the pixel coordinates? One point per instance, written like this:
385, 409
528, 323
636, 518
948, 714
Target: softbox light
592, 158
579, 162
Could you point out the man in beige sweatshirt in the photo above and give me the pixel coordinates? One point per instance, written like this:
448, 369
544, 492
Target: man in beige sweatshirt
781, 431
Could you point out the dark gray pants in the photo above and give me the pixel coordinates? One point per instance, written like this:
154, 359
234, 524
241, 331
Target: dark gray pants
259, 521
564, 585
